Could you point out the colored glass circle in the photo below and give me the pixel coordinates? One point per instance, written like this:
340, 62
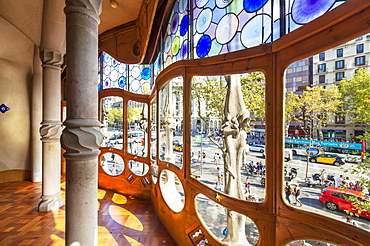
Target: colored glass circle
146, 73
304, 11
203, 46
201, 3
204, 20
121, 68
183, 4
114, 75
256, 31
184, 25
174, 22
145, 88
100, 87
184, 50
227, 28
175, 46
167, 44
135, 72
223, 3
122, 81
135, 85
106, 83
253, 5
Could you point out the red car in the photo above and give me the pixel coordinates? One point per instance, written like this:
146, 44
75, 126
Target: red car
338, 198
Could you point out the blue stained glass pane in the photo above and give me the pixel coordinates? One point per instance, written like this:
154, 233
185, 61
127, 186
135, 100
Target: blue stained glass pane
253, 5
218, 14
114, 62
235, 43
106, 83
204, 20
184, 26
100, 87
304, 11
203, 46
146, 73
122, 81
216, 48
201, 3
184, 50
256, 31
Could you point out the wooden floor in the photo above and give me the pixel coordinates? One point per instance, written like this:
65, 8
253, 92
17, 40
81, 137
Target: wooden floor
122, 220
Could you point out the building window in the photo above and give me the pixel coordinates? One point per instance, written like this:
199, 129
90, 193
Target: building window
339, 76
360, 48
321, 79
339, 64
339, 52
359, 60
358, 39
322, 56
322, 68
340, 119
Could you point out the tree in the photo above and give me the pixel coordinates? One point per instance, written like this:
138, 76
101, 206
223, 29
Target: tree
356, 105
318, 107
115, 116
356, 98
134, 114
293, 106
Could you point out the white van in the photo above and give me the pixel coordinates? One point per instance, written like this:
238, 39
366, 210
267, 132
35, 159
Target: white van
135, 136
288, 154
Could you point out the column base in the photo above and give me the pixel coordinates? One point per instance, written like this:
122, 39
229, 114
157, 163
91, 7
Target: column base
50, 204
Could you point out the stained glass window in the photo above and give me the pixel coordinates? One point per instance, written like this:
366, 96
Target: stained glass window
134, 78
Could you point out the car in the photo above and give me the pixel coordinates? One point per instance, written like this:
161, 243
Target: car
116, 138
135, 136
257, 148
177, 147
327, 158
336, 198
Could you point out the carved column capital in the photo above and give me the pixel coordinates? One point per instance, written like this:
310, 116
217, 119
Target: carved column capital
92, 8
51, 58
50, 131
81, 139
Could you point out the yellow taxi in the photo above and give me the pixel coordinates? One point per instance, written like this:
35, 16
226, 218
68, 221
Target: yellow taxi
177, 147
327, 158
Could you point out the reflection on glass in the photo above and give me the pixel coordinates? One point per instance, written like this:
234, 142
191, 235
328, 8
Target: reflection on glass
154, 168
308, 242
171, 122
153, 130
214, 217
138, 168
137, 127
220, 142
172, 190
111, 117
112, 164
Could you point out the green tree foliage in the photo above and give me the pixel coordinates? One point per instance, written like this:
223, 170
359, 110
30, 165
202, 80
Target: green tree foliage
356, 98
318, 107
134, 114
356, 105
253, 89
115, 115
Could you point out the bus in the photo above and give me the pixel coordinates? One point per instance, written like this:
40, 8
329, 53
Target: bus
350, 151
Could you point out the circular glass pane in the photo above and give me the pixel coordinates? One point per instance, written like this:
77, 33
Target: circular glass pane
256, 31
112, 164
135, 72
204, 20
304, 11
223, 3
174, 22
201, 3
204, 46
138, 168
184, 25
252, 5
227, 28
172, 190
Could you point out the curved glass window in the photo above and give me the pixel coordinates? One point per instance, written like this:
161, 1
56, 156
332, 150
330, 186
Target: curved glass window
172, 190
138, 168
137, 138
112, 164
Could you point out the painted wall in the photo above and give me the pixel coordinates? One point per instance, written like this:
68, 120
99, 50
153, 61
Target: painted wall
16, 62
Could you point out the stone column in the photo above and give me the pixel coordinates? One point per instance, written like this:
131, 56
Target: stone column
82, 137
36, 118
52, 49
50, 132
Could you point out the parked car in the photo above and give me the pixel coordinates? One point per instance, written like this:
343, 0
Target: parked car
177, 147
135, 136
327, 158
257, 148
116, 138
336, 198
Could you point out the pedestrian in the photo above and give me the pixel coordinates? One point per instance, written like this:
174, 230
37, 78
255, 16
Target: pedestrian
288, 192
297, 192
346, 182
350, 221
218, 186
338, 180
199, 155
219, 175
324, 175
358, 187
204, 155
217, 158
247, 185
112, 157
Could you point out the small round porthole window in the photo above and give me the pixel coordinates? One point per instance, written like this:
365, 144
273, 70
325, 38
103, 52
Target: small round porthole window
112, 164
172, 190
